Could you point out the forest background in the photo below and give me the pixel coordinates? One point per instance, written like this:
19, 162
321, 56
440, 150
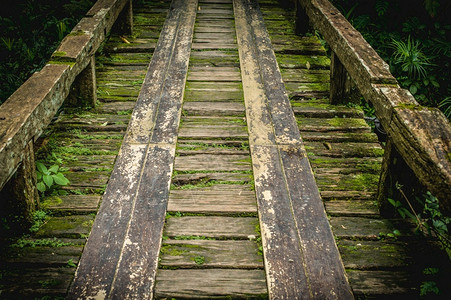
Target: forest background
413, 36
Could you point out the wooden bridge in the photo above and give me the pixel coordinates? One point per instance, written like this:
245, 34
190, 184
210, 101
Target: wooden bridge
228, 167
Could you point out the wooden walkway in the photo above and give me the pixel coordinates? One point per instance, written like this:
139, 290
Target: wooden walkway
242, 217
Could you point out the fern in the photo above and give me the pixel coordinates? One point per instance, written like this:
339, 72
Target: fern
381, 7
445, 106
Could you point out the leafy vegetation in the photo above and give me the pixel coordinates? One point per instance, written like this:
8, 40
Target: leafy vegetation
49, 178
415, 42
430, 221
29, 32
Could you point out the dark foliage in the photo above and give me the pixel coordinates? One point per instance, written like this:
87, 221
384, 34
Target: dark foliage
413, 36
30, 30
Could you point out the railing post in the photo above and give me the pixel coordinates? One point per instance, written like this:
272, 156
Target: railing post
84, 89
397, 181
124, 23
343, 90
20, 195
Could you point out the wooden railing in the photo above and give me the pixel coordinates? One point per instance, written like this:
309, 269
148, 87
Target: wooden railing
70, 73
420, 135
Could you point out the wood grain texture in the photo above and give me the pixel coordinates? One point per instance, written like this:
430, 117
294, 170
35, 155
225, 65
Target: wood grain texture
223, 199
210, 284
120, 258
230, 254
293, 221
211, 227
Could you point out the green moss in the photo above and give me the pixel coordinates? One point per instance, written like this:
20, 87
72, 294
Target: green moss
347, 122
199, 259
50, 201
59, 54
57, 62
410, 106
77, 33
172, 250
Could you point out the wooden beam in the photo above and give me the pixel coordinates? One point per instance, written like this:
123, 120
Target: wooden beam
121, 256
301, 257
25, 114
421, 135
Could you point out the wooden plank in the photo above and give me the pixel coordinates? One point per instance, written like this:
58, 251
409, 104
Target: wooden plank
352, 207
72, 203
214, 108
364, 228
366, 255
212, 132
228, 254
142, 172
193, 178
212, 75
45, 256
286, 207
210, 284
212, 227
382, 284
213, 162
66, 227
222, 199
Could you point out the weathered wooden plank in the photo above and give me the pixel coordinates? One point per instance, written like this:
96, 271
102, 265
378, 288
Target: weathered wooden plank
217, 76
350, 207
349, 149
221, 199
72, 203
219, 132
214, 108
334, 124
210, 284
212, 227
210, 96
194, 178
365, 228
66, 227
25, 282
365, 255
203, 46
213, 162
45, 256
142, 172
228, 254
382, 284
286, 207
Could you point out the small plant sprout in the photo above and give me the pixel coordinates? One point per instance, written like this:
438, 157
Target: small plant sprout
48, 178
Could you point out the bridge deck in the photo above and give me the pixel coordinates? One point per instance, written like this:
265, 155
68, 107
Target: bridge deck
211, 244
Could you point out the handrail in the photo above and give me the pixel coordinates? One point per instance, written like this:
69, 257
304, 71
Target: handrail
29, 110
422, 136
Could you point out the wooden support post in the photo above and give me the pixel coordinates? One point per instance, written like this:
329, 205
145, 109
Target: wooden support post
84, 89
20, 196
343, 90
124, 23
302, 20
395, 172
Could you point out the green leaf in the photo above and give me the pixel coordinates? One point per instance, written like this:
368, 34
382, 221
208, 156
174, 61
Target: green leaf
41, 187
435, 83
39, 175
413, 89
60, 179
42, 168
54, 169
48, 180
